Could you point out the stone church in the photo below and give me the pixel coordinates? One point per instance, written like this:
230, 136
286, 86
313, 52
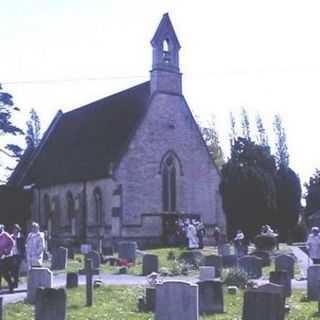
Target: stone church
127, 166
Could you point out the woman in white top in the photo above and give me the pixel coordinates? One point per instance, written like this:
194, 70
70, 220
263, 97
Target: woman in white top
35, 246
313, 245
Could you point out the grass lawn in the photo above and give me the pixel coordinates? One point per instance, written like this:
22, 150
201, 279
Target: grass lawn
120, 303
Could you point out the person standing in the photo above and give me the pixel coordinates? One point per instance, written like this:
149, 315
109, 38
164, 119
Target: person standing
35, 245
239, 243
193, 242
6, 244
313, 245
201, 231
18, 253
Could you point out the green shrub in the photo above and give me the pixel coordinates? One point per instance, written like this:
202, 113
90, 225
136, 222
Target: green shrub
178, 268
235, 277
171, 255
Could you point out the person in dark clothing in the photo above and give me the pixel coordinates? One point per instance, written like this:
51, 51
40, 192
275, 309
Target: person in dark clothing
201, 232
17, 253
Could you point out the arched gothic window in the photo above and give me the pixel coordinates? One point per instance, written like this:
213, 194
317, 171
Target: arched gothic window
98, 206
169, 184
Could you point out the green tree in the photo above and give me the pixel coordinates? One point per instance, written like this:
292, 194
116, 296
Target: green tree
33, 134
211, 138
233, 131
245, 124
282, 155
262, 136
248, 187
312, 195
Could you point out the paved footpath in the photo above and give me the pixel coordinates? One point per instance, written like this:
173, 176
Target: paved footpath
131, 280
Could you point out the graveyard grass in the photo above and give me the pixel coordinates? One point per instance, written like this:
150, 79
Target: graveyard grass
120, 303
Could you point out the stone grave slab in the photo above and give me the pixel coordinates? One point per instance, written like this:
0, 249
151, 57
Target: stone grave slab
281, 278
265, 256
286, 263
214, 261
177, 300
230, 261
210, 297
252, 265
206, 273
313, 283
38, 277
51, 304
150, 263
127, 250
72, 280
59, 258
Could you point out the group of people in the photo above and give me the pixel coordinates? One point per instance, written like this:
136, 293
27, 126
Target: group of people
14, 248
194, 232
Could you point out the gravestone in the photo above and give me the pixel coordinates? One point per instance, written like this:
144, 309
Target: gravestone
1, 309
286, 263
210, 297
95, 257
127, 250
264, 303
266, 261
281, 278
71, 253
89, 272
252, 265
59, 259
225, 249
50, 304
313, 283
150, 263
85, 248
214, 261
206, 273
230, 261
38, 277
177, 300
148, 303
194, 257
72, 280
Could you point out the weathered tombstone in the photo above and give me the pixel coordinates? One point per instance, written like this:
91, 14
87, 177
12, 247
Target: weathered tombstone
1, 309
264, 303
281, 278
286, 263
252, 265
150, 263
50, 304
85, 248
71, 253
206, 273
95, 257
72, 280
193, 257
59, 259
210, 297
150, 299
230, 261
266, 261
214, 261
127, 250
89, 272
313, 283
38, 277
225, 249
177, 300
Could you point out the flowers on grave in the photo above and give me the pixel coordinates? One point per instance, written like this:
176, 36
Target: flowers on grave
154, 279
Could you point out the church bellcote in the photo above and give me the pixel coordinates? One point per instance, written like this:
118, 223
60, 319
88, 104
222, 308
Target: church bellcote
165, 73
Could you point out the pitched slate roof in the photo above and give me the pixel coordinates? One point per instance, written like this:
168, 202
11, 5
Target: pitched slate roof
87, 141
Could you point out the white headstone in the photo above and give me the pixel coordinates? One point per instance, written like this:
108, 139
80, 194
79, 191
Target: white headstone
206, 273
38, 277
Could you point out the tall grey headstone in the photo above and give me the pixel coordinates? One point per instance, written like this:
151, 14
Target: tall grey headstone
264, 303
230, 261
281, 278
95, 257
252, 265
286, 263
127, 250
59, 259
210, 297
150, 263
50, 304
313, 283
206, 273
265, 256
177, 300
214, 261
38, 277
72, 280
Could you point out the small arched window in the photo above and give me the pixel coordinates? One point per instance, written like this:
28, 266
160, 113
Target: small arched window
169, 184
98, 206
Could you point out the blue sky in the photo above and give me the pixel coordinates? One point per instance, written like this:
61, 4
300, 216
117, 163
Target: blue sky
261, 55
